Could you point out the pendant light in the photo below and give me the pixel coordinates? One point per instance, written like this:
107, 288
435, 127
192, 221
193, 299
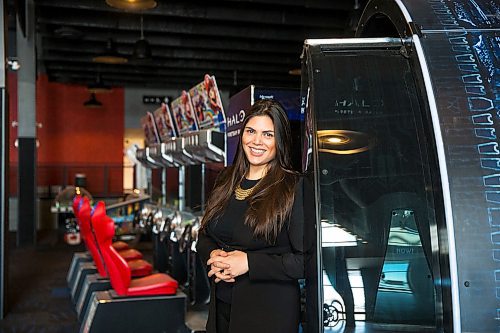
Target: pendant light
110, 55
92, 102
142, 49
132, 4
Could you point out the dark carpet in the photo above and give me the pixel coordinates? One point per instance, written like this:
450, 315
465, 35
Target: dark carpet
38, 297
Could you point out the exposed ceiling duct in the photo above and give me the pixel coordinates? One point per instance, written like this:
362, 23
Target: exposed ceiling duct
261, 40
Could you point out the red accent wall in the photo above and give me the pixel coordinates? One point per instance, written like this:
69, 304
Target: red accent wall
74, 139
72, 133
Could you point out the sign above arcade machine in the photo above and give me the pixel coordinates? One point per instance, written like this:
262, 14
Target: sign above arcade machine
208, 143
189, 132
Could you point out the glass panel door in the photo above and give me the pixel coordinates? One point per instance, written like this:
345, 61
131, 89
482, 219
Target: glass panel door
377, 205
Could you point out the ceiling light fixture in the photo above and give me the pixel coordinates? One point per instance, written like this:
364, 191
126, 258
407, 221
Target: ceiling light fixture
98, 87
142, 49
110, 55
132, 4
92, 102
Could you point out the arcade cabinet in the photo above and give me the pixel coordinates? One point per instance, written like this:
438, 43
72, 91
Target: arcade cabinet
401, 137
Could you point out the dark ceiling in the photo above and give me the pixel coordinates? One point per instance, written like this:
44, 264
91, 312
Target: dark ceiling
241, 42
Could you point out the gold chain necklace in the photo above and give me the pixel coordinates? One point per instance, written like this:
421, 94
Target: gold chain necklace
241, 194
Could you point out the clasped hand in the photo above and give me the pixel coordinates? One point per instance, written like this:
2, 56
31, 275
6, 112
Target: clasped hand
227, 265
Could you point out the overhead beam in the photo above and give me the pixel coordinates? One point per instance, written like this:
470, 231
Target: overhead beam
177, 82
215, 29
187, 63
186, 41
145, 72
94, 49
120, 79
318, 4
325, 14
255, 41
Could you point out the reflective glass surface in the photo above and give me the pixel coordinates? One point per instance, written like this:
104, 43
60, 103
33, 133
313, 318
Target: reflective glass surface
377, 212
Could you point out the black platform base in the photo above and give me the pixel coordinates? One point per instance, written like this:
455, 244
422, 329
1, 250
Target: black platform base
78, 257
108, 312
92, 283
83, 270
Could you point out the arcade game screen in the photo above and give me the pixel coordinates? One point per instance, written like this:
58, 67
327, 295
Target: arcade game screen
207, 104
150, 131
164, 124
182, 110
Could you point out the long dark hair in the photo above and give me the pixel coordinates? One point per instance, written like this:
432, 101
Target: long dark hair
271, 202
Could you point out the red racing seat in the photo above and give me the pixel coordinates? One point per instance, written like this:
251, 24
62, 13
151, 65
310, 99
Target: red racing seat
119, 271
118, 245
77, 201
138, 267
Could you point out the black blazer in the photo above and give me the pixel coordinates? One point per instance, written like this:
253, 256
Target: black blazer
266, 299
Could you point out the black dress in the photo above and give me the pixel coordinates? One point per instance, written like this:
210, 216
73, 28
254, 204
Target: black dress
266, 299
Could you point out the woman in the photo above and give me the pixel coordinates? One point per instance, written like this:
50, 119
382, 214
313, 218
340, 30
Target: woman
252, 231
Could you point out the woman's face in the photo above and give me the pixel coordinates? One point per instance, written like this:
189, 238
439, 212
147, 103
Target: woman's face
259, 143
